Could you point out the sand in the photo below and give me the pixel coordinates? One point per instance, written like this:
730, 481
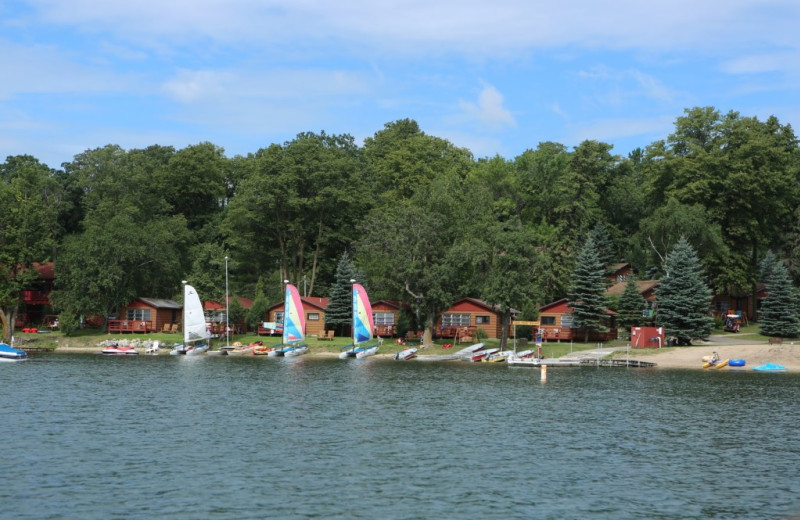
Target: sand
786, 354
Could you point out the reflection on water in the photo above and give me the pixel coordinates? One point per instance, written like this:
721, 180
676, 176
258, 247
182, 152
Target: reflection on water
250, 437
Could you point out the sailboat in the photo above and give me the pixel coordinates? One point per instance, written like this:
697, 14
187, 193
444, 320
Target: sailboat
195, 335
294, 325
363, 326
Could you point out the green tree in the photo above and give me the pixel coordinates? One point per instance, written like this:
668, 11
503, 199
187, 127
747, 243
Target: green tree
261, 304
630, 306
30, 199
778, 315
409, 246
587, 293
339, 313
684, 298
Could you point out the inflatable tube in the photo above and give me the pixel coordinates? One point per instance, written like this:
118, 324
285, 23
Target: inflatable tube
737, 363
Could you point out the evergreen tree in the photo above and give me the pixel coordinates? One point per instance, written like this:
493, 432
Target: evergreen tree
587, 294
684, 298
603, 244
778, 314
258, 311
631, 304
339, 313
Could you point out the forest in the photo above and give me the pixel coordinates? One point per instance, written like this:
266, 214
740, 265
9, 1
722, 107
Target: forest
422, 220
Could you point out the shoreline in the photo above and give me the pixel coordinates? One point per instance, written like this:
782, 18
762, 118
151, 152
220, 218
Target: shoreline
690, 357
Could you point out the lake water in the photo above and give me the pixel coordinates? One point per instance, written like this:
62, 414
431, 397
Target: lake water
93, 437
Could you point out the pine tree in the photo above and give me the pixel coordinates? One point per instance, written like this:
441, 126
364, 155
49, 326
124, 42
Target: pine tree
587, 295
631, 305
603, 244
684, 298
778, 314
258, 311
339, 313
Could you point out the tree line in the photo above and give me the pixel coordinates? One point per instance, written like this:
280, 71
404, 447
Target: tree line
422, 220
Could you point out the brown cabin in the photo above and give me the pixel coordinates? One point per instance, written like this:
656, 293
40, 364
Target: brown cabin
466, 316
386, 316
619, 272
739, 303
647, 288
555, 323
147, 315
36, 297
314, 309
215, 316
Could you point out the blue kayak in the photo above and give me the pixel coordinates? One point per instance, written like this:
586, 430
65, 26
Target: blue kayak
770, 367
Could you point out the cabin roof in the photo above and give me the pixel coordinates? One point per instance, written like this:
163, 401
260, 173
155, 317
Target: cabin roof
160, 303
561, 307
641, 285
212, 305
478, 303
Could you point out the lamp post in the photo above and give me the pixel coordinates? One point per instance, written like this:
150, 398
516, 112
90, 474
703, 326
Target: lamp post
227, 307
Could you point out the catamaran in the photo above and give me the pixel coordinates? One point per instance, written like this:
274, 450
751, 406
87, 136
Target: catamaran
195, 334
363, 326
294, 325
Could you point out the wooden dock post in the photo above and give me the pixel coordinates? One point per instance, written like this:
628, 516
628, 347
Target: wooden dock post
544, 373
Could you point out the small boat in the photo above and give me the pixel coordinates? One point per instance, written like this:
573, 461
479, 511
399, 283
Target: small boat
770, 367
497, 357
478, 355
116, 350
294, 326
9, 353
406, 354
195, 333
362, 327
239, 350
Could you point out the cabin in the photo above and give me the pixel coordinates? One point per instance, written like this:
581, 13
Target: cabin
386, 316
739, 302
314, 309
215, 316
468, 315
35, 305
647, 288
147, 315
555, 324
617, 273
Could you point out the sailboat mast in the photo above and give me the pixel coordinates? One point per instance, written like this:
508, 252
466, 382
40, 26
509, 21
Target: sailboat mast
355, 310
227, 307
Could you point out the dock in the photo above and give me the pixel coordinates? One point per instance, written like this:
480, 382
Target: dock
578, 362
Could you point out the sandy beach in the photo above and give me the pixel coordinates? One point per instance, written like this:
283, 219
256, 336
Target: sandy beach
754, 354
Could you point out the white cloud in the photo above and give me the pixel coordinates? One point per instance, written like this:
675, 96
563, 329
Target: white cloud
489, 109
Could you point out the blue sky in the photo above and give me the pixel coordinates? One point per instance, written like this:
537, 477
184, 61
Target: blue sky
495, 77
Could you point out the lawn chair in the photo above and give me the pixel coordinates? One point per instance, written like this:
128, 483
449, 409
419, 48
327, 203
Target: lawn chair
154, 348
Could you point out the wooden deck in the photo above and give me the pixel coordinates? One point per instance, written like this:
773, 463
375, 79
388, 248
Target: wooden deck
131, 326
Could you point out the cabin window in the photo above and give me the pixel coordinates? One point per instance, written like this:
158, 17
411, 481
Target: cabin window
481, 320
383, 318
455, 320
722, 305
566, 321
548, 320
279, 316
312, 316
138, 315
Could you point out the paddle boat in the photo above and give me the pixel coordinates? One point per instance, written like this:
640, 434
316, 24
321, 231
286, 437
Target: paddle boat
9, 353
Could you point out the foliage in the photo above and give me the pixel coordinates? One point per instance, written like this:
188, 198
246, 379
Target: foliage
630, 306
258, 311
779, 310
29, 198
684, 298
587, 293
339, 313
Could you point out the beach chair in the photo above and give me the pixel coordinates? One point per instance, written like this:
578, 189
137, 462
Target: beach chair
154, 348
328, 335
175, 328
167, 328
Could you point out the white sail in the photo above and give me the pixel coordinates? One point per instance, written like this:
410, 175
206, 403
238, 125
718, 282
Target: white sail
194, 322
